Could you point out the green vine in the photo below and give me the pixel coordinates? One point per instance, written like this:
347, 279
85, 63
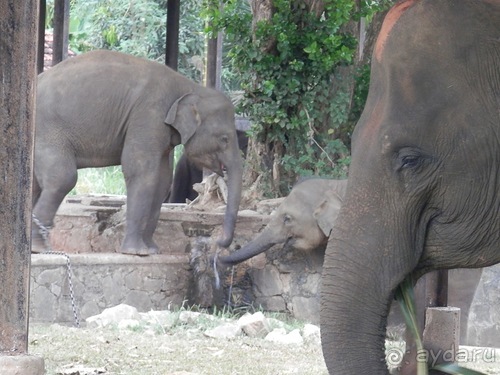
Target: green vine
289, 66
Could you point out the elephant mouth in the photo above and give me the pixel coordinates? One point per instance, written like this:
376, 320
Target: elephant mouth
210, 163
289, 243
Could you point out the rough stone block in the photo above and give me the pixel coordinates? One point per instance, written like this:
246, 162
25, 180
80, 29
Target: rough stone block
441, 334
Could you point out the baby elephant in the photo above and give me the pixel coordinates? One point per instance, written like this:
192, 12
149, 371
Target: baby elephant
106, 108
303, 220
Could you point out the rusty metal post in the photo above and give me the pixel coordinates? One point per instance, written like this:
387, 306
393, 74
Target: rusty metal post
61, 31
211, 70
214, 60
172, 43
18, 30
41, 37
436, 289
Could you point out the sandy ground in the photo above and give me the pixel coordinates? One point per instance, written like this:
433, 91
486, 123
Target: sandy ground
187, 351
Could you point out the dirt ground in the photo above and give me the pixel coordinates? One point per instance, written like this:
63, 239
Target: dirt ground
183, 351
180, 352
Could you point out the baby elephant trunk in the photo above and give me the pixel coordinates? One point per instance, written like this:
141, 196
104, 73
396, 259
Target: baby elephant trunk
259, 245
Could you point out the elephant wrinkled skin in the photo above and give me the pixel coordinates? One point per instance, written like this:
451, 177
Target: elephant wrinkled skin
424, 181
107, 108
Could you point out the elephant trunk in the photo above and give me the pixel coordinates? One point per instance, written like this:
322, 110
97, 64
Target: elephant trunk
353, 317
234, 169
360, 273
262, 243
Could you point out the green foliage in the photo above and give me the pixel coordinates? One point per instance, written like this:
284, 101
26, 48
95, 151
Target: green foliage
287, 67
107, 180
138, 28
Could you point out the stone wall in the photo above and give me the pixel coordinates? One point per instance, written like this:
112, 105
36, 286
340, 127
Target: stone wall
103, 280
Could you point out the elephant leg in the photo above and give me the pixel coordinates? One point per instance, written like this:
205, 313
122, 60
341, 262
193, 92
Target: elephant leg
162, 190
142, 169
55, 177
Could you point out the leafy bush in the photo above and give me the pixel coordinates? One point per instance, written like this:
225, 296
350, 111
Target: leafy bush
289, 66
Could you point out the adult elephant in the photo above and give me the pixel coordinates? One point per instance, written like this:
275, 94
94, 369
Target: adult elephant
107, 108
424, 182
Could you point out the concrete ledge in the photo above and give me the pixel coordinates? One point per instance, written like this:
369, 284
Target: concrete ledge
106, 258
21, 365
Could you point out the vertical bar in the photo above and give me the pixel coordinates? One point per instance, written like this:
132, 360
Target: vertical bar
211, 74
61, 31
172, 42
436, 289
18, 29
214, 60
41, 36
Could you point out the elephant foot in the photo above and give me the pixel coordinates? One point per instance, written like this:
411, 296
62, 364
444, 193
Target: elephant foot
153, 250
38, 242
138, 249
134, 248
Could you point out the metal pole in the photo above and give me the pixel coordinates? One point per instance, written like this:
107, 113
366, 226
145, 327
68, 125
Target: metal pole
172, 42
41, 37
61, 31
436, 289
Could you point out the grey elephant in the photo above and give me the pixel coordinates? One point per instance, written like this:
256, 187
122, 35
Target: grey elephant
424, 180
107, 108
304, 221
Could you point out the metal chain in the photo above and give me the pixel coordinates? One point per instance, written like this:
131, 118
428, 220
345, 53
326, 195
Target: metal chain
45, 231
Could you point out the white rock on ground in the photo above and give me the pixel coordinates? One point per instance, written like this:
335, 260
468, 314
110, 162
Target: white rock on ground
224, 331
113, 315
311, 334
279, 336
254, 325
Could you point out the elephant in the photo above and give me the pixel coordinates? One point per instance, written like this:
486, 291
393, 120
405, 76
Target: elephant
303, 220
423, 188
187, 174
106, 108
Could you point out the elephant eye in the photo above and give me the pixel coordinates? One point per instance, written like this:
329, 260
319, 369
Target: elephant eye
408, 159
287, 219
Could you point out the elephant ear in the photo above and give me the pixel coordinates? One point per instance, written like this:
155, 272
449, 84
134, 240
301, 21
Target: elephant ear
326, 213
184, 116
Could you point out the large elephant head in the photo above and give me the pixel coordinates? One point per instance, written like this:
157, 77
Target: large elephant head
424, 182
303, 220
206, 124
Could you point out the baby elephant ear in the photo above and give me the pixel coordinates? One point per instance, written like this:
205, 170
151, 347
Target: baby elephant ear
326, 213
184, 117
